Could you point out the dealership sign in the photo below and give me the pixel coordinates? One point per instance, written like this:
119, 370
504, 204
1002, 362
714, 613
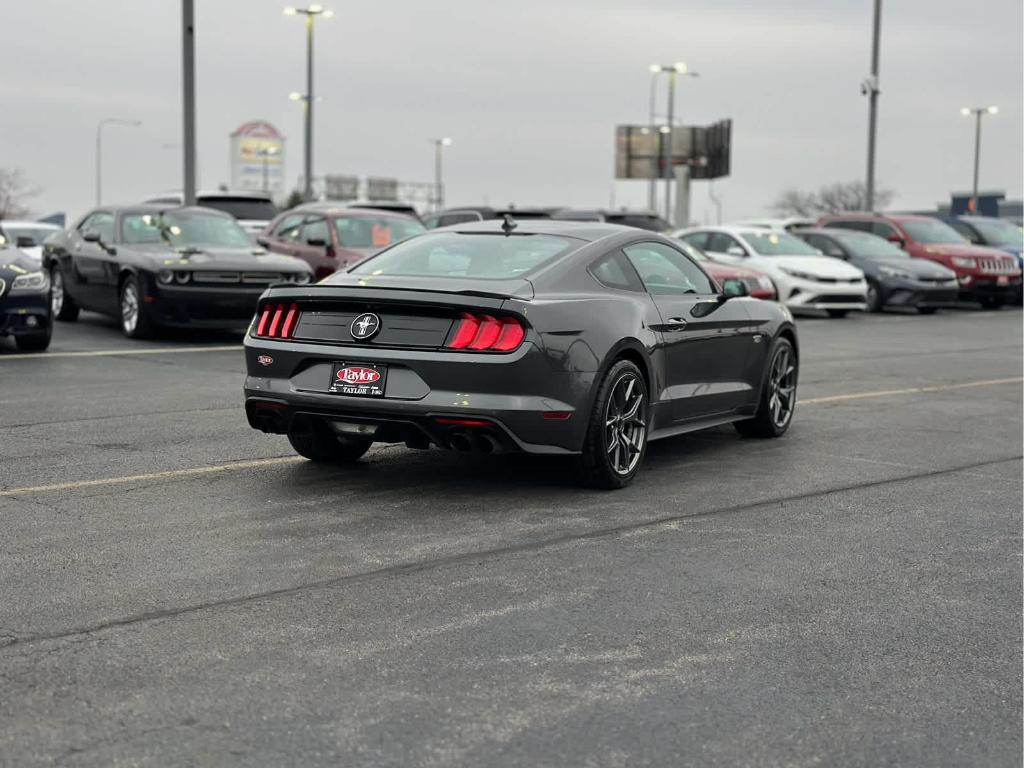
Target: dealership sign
257, 158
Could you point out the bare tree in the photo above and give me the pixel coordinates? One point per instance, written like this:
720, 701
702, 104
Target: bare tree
14, 190
831, 198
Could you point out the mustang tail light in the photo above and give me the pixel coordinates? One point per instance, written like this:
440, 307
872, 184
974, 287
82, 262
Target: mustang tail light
486, 333
277, 321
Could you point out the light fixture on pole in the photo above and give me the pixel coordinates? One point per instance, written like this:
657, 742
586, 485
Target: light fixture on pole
977, 112
99, 149
310, 13
439, 145
673, 70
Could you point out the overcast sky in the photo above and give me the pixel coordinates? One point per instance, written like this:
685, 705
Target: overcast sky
530, 92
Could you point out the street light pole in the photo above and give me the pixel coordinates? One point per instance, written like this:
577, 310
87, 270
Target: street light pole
188, 82
99, 149
870, 87
651, 191
439, 145
977, 112
310, 13
679, 68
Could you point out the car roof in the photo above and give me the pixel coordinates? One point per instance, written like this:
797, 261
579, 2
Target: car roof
24, 223
342, 211
855, 215
162, 208
727, 229
581, 230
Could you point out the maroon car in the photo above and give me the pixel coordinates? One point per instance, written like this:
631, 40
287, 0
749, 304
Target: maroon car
329, 237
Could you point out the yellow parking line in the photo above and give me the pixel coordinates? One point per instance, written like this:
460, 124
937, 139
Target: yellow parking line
238, 465
191, 472
116, 352
908, 391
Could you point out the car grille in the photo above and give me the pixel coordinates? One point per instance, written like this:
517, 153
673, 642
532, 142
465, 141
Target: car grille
840, 298
247, 278
997, 266
837, 280
937, 280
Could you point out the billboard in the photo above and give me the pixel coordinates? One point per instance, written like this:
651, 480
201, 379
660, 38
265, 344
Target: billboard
341, 188
257, 158
640, 151
378, 189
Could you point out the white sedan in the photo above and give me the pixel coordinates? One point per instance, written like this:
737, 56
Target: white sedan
805, 278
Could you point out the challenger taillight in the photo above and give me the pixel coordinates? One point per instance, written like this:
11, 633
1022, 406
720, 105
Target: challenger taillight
277, 321
486, 333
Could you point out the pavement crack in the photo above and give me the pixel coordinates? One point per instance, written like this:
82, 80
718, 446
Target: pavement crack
404, 569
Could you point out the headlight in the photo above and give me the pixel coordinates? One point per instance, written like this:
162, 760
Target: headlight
963, 261
302, 278
182, 277
165, 276
895, 273
800, 275
33, 282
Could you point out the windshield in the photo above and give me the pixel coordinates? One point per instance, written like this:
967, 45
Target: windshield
770, 243
464, 254
999, 232
692, 251
241, 207
38, 233
374, 231
932, 231
648, 221
179, 229
867, 246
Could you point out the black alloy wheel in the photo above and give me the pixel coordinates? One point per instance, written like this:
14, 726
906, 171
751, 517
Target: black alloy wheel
616, 440
778, 397
62, 306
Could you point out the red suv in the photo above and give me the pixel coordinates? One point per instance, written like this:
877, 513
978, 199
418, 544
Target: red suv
986, 275
328, 237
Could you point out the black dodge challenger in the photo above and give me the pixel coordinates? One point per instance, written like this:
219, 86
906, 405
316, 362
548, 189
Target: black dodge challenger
539, 336
151, 266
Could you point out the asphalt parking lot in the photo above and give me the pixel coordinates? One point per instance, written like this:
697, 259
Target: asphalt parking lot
180, 590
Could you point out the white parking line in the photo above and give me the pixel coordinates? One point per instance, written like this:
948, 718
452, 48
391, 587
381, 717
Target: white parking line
237, 465
117, 352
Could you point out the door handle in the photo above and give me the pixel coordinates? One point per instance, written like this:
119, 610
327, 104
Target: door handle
677, 323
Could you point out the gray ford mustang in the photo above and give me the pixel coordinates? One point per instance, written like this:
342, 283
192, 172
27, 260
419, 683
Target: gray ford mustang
548, 337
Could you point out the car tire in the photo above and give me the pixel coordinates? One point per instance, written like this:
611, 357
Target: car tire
838, 312
927, 310
33, 342
616, 440
62, 306
132, 310
875, 300
772, 417
317, 443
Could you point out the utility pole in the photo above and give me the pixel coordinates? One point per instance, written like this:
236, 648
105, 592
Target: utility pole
439, 145
978, 112
188, 60
670, 177
870, 87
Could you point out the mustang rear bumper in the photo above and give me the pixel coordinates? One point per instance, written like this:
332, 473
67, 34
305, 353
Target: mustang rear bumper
429, 396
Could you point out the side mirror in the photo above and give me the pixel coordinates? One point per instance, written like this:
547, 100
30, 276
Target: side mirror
263, 240
894, 238
24, 241
92, 237
735, 250
317, 242
734, 289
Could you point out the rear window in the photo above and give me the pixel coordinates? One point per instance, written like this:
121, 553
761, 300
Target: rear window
463, 254
374, 231
241, 207
640, 221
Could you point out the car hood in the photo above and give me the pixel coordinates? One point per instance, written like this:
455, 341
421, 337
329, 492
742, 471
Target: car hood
913, 267
819, 266
13, 262
162, 256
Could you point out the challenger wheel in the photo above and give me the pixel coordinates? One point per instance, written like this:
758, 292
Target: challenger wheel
62, 306
927, 310
315, 441
135, 320
616, 440
838, 312
778, 396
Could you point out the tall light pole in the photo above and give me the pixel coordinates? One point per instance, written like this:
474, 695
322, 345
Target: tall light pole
439, 145
99, 149
870, 88
651, 191
977, 112
673, 70
310, 13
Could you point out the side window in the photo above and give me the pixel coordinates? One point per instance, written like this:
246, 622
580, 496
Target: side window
719, 242
667, 272
697, 239
102, 223
859, 226
825, 245
316, 229
882, 229
448, 219
288, 227
614, 271
967, 231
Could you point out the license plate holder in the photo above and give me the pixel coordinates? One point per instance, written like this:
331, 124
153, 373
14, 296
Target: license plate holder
358, 379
